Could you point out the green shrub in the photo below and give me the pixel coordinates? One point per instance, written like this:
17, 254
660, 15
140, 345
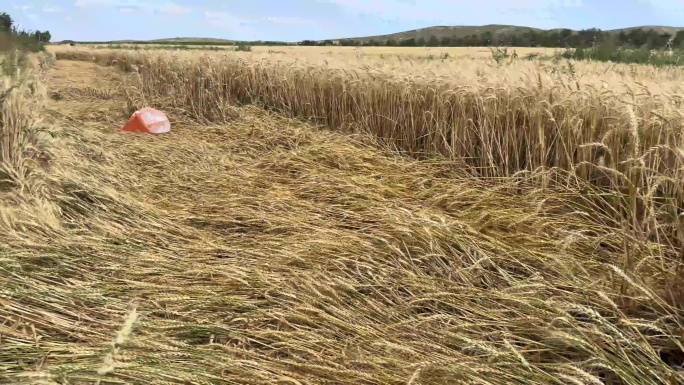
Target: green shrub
624, 55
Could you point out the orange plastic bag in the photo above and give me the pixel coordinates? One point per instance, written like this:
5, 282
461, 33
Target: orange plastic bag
149, 121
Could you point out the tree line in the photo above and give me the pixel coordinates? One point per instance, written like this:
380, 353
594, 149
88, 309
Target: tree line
9, 33
562, 38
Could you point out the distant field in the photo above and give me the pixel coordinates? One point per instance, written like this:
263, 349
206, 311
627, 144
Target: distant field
336, 50
408, 51
615, 55
461, 68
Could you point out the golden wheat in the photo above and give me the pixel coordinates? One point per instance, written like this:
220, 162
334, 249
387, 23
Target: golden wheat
499, 130
22, 135
263, 250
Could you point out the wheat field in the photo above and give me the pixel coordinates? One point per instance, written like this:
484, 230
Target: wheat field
329, 51
340, 219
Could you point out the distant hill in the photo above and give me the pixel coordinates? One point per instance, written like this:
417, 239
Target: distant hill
657, 28
453, 32
445, 31
496, 29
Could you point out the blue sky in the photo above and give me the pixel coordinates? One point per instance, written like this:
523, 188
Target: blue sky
97, 20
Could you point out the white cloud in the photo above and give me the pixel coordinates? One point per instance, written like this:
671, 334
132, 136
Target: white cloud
136, 6
174, 9
86, 3
222, 18
289, 20
51, 9
128, 10
24, 7
214, 15
227, 20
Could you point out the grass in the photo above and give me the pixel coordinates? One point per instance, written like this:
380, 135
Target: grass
10, 42
249, 247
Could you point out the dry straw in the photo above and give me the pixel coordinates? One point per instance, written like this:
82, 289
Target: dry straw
624, 146
263, 250
22, 134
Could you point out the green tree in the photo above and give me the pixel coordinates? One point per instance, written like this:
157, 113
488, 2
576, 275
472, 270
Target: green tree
471, 41
553, 39
6, 22
679, 39
487, 38
43, 37
658, 40
622, 38
637, 37
565, 37
433, 41
590, 37
25, 40
409, 42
